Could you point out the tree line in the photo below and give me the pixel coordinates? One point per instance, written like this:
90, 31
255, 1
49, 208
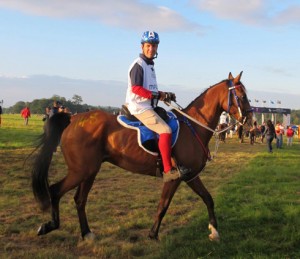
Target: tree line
75, 105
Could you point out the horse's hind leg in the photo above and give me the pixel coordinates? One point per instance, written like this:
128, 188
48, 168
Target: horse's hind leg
80, 200
57, 190
198, 187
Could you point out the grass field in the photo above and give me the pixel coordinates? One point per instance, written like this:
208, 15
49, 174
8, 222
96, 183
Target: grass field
256, 194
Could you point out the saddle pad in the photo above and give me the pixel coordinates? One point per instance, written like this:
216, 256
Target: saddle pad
144, 134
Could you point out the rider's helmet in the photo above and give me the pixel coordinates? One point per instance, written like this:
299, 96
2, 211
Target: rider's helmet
150, 37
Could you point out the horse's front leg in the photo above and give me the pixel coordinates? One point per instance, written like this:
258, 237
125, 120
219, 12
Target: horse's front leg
168, 192
198, 187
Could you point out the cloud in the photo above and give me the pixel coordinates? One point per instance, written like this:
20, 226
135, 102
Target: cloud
254, 12
289, 15
132, 14
278, 71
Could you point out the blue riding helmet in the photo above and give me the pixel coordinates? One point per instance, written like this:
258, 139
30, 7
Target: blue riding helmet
150, 37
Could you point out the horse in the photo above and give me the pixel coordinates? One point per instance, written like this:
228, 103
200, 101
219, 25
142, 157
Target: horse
91, 138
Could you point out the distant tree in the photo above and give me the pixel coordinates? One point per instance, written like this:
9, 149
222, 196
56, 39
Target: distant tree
295, 117
77, 100
18, 107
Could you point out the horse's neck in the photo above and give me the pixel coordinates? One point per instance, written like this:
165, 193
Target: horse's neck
206, 108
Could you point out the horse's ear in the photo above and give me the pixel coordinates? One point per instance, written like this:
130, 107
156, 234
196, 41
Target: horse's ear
230, 77
238, 78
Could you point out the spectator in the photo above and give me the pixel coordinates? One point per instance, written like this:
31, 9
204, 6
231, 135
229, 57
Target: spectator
262, 131
279, 129
0, 114
253, 131
240, 132
289, 135
270, 135
67, 110
25, 113
46, 115
55, 108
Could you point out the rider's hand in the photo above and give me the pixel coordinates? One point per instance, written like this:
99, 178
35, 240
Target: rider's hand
167, 96
173, 97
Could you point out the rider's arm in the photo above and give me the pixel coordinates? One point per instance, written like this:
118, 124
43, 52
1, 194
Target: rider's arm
141, 91
137, 79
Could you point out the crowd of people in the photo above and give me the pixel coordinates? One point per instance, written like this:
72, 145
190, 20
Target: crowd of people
267, 130
49, 112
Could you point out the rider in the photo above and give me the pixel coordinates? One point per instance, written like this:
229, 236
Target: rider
143, 95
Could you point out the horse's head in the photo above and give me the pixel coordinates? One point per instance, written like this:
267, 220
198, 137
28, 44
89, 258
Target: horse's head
237, 104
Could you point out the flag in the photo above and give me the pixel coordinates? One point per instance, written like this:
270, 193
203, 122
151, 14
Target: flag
271, 102
264, 101
279, 102
256, 100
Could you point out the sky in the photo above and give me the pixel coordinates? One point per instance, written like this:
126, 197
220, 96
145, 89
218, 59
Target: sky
85, 47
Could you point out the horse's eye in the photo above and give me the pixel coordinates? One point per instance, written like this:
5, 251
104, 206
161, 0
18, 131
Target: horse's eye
244, 97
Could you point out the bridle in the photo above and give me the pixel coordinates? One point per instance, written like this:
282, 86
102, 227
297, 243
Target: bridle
231, 91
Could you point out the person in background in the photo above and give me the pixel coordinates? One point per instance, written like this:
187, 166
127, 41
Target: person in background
240, 132
55, 108
46, 115
253, 133
289, 134
270, 135
223, 118
143, 95
0, 114
279, 129
25, 113
67, 110
262, 130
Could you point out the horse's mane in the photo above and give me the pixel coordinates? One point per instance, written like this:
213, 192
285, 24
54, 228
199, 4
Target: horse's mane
204, 92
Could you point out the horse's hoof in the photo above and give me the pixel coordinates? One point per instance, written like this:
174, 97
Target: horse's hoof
47, 227
152, 236
42, 230
214, 236
89, 236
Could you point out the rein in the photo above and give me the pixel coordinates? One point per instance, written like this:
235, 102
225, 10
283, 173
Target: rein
186, 119
216, 133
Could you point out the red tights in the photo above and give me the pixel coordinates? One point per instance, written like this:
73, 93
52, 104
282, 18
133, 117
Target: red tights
164, 145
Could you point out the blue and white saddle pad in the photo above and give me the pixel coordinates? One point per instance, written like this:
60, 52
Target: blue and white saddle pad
144, 134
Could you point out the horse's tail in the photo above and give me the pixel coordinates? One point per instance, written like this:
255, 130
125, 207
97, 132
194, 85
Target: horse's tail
47, 144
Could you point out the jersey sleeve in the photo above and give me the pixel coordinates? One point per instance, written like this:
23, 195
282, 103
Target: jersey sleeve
137, 75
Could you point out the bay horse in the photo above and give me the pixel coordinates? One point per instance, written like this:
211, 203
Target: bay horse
89, 139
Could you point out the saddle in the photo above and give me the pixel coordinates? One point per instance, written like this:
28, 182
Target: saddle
147, 139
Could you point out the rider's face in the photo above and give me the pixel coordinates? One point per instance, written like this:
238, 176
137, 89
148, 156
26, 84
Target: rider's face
149, 50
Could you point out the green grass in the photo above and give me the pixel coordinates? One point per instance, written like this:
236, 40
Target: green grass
256, 194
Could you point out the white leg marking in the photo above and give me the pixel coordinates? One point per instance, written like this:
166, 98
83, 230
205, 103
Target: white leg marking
214, 236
